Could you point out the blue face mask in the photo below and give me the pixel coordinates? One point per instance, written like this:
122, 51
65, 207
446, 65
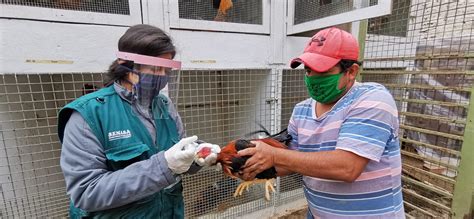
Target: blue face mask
148, 86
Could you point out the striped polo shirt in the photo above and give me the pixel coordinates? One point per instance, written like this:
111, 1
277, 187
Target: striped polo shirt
364, 122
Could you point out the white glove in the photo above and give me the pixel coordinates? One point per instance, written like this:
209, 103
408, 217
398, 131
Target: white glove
202, 159
181, 155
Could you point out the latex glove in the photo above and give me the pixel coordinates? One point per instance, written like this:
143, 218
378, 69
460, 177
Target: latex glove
206, 154
181, 155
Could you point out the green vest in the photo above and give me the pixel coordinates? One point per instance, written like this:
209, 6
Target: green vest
124, 140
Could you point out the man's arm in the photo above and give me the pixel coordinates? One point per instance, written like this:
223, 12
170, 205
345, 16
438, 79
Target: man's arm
283, 171
293, 145
334, 165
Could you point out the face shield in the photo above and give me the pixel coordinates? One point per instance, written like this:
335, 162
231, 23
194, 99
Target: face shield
153, 74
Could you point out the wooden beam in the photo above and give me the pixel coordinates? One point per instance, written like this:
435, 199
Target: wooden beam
463, 189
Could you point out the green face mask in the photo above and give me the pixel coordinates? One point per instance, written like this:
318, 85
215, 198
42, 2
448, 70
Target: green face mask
324, 88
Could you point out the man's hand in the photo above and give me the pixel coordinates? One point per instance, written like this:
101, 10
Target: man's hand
262, 158
181, 155
206, 154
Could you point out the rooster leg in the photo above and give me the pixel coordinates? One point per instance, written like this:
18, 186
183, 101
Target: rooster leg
269, 186
246, 184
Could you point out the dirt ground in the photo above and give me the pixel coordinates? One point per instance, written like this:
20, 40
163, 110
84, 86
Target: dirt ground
293, 214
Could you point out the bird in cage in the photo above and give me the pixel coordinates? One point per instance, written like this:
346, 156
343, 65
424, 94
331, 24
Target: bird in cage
222, 7
232, 162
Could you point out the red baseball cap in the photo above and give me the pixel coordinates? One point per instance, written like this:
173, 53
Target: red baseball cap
326, 48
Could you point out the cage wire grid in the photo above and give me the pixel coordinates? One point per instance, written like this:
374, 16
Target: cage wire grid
32, 184
216, 105
422, 53
220, 106
308, 10
120, 7
241, 11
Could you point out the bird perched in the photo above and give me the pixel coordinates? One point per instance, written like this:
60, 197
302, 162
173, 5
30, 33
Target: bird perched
232, 162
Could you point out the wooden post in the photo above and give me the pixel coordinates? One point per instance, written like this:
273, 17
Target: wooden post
361, 38
463, 189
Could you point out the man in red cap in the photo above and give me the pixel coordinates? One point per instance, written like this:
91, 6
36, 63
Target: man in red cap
344, 138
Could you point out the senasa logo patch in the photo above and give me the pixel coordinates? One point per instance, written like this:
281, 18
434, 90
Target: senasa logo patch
115, 135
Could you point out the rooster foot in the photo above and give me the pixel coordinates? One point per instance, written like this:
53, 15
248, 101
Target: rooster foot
246, 184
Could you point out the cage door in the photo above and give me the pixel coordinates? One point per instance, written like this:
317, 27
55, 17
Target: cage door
308, 15
241, 16
119, 12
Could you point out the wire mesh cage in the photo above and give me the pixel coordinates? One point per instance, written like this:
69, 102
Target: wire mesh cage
220, 106
32, 184
293, 92
242, 11
421, 54
109, 6
308, 10
217, 105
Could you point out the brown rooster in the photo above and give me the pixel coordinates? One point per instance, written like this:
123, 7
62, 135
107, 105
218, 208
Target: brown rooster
232, 163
